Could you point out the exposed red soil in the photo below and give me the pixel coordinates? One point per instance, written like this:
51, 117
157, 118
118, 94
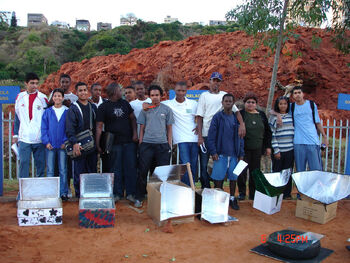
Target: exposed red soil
324, 70
130, 241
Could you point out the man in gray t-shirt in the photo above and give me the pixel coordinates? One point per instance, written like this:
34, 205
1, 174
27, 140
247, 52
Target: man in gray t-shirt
155, 139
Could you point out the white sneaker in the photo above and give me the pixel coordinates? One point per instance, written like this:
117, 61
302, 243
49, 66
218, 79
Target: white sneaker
138, 204
131, 198
69, 193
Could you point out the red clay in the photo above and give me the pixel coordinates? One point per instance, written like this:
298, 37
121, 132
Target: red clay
324, 70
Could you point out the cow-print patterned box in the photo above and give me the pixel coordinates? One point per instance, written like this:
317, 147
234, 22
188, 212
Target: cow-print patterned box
39, 202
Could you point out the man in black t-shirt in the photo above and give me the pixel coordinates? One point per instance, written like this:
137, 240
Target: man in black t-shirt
118, 117
81, 116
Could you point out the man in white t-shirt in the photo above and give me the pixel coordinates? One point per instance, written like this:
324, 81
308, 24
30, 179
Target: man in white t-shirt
210, 103
184, 111
140, 98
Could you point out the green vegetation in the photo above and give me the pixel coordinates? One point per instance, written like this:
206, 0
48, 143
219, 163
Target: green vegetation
44, 49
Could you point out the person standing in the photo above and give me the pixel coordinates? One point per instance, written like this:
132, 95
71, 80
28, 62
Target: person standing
118, 118
210, 103
226, 147
53, 136
96, 91
307, 125
29, 107
81, 116
184, 128
282, 141
69, 97
155, 139
129, 94
140, 98
257, 141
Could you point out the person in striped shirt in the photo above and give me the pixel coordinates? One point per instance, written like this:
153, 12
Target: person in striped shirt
282, 141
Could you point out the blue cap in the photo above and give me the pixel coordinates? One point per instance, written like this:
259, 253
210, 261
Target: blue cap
216, 75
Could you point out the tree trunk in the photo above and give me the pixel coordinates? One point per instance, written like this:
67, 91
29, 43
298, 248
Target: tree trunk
277, 58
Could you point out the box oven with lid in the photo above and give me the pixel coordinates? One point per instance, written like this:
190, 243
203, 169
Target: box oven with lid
39, 202
96, 203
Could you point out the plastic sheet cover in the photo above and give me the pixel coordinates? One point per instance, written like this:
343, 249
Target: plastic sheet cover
215, 205
322, 186
96, 185
39, 188
176, 201
168, 173
96, 203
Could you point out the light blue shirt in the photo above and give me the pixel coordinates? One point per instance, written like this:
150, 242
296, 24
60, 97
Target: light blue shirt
304, 127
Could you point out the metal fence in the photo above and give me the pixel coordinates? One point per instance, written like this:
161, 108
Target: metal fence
334, 157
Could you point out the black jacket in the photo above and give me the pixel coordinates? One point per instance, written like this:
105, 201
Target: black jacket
74, 121
267, 131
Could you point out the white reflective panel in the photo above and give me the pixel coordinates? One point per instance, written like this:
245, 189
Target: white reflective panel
215, 205
39, 204
168, 173
323, 186
96, 185
278, 179
39, 188
176, 201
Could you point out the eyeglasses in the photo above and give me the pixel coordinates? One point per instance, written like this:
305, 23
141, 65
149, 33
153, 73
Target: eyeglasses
250, 101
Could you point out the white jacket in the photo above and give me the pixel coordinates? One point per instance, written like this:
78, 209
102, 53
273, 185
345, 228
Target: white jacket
30, 130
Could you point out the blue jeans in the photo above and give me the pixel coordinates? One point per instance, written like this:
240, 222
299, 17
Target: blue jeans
62, 167
203, 159
124, 166
25, 150
188, 152
310, 154
81, 165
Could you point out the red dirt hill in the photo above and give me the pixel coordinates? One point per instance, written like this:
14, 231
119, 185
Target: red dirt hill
324, 70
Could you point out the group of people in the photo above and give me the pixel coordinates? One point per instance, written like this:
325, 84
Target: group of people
144, 130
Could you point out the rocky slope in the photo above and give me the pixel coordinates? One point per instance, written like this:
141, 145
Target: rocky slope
324, 70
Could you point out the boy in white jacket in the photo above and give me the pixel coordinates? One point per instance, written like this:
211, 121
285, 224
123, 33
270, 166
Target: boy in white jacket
29, 107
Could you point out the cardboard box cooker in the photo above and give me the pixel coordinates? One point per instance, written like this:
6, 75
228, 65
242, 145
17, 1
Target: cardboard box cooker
312, 210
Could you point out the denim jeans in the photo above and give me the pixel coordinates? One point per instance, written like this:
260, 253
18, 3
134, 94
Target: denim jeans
203, 159
124, 166
25, 150
188, 152
61, 157
310, 154
84, 164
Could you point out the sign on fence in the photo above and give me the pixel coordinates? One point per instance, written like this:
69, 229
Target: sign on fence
344, 104
343, 101
8, 95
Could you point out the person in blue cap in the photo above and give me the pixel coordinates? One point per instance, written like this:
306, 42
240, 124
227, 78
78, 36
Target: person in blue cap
208, 105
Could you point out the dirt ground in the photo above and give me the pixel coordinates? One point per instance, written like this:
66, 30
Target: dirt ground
135, 238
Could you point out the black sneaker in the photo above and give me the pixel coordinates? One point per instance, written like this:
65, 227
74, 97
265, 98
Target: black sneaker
234, 204
241, 196
64, 198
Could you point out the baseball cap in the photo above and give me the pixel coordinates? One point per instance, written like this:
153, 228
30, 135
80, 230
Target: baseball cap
216, 75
